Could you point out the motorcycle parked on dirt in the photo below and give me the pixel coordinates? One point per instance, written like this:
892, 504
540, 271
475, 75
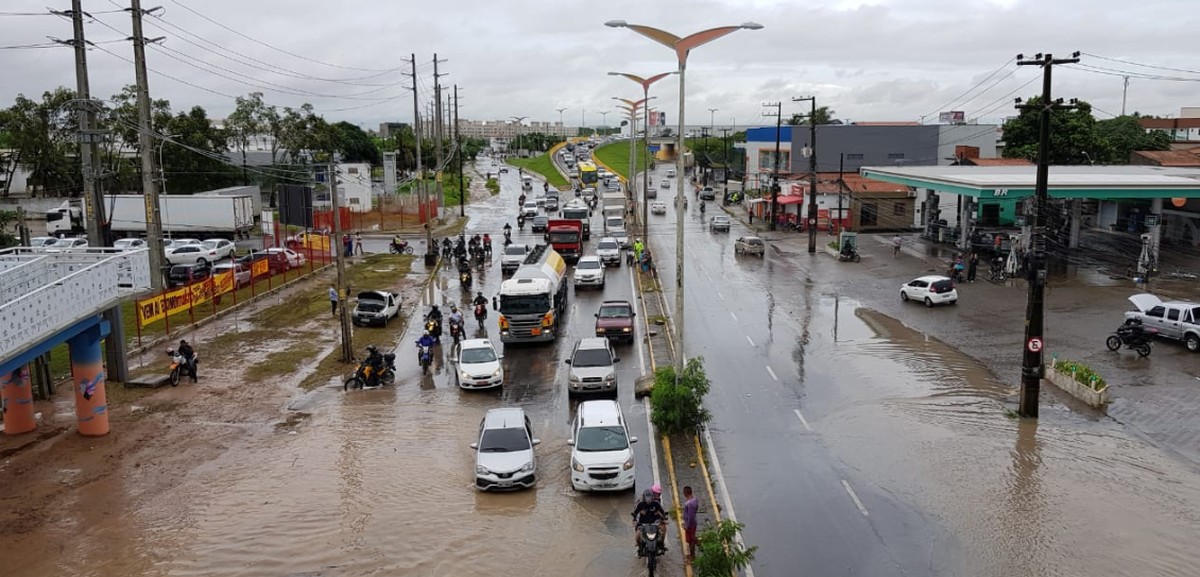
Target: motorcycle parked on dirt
365, 375
180, 367
1132, 335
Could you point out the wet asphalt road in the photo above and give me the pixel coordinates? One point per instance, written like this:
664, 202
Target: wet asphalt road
853, 444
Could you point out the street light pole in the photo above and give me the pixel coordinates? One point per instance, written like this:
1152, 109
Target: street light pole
645, 83
562, 130
518, 120
604, 121
682, 47
812, 169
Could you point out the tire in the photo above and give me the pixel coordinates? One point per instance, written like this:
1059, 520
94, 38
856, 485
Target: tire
174, 377
1113, 342
408, 250
424, 367
1192, 342
651, 564
1143, 350
202, 261
903, 296
857, 258
388, 378
928, 302
353, 383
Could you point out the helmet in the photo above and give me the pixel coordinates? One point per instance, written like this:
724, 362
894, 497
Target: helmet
426, 333
480, 293
454, 308
371, 349
182, 342
648, 496
656, 489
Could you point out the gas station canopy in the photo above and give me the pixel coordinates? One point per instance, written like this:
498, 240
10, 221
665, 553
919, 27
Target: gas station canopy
1014, 182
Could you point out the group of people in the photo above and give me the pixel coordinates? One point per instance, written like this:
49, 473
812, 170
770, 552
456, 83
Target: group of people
968, 263
639, 254
352, 245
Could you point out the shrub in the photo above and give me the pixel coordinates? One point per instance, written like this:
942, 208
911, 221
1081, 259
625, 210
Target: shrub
835, 245
1081, 373
718, 552
493, 186
677, 406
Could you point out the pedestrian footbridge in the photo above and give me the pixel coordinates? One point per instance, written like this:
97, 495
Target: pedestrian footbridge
48, 298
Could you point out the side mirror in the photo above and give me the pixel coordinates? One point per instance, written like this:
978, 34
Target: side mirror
567, 361
632, 439
616, 359
597, 315
571, 442
474, 445
537, 441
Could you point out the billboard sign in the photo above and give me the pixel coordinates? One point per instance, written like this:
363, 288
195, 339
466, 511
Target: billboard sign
952, 117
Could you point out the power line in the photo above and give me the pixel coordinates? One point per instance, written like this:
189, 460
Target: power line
1130, 73
968, 91
1131, 63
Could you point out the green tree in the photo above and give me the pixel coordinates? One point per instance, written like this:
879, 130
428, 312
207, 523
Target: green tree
41, 134
243, 124
188, 170
7, 238
356, 145
119, 156
1119, 137
1072, 134
823, 116
678, 406
718, 552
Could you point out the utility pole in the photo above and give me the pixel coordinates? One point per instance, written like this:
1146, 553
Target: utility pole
154, 236
422, 197
117, 364
812, 173
725, 158
775, 188
462, 183
342, 289
1124, 93
1032, 367
841, 188
438, 135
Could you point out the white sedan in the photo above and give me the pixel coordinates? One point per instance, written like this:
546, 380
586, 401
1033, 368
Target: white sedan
128, 244
478, 365
222, 247
294, 259
193, 253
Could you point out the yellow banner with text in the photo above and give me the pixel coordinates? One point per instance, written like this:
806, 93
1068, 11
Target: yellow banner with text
157, 307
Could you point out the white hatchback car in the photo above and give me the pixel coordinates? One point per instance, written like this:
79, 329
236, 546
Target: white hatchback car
931, 290
601, 458
478, 365
504, 456
589, 271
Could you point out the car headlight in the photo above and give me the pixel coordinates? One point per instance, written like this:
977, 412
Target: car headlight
599, 330
573, 378
628, 463
610, 378
497, 372
626, 329
527, 467
464, 375
575, 465
481, 470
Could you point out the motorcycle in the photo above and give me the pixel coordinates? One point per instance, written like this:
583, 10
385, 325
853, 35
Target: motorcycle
996, 272
456, 332
180, 367
849, 254
464, 278
363, 376
424, 357
400, 248
1132, 335
651, 546
702, 207
480, 314
434, 327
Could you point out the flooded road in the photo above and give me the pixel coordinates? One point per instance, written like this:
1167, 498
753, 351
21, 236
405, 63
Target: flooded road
856, 442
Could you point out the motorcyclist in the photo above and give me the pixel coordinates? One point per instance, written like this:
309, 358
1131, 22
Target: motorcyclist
426, 340
435, 315
702, 207
397, 243
521, 221
480, 300
374, 360
507, 234
649, 512
189, 356
545, 187
446, 245
487, 243
455, 319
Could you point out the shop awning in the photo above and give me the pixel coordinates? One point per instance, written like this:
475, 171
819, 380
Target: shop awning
791, 199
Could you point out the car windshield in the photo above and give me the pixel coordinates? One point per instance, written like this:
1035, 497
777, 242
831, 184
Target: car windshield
721, 220
564, 237
524, 304
478, 355
588, 264
607, 245
514, 250
592, 358
504, 441
593, 439
614, 312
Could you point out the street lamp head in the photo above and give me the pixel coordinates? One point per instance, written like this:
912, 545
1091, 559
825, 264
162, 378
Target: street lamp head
614, 74
616, 24
752, 26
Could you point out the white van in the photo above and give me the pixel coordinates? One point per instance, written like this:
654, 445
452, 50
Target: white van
670, 173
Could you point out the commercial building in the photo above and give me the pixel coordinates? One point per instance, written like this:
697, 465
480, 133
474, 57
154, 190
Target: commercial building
1184, 131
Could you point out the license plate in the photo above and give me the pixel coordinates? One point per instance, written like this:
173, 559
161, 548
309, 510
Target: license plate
606, 485
505, 483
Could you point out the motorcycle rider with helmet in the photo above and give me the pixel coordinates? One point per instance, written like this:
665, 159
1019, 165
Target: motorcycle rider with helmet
649, 512
374, 360
426, 340
435, 315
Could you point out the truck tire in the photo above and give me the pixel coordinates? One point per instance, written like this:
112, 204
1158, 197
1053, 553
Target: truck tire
1192, 342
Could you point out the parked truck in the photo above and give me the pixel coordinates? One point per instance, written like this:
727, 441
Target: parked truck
566, 237
579, 210
181, 215
533, 303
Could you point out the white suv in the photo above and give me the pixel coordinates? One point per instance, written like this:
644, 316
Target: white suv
592, 367
601, 458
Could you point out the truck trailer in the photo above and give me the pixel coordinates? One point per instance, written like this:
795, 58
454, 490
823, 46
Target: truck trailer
195, 215
533, 303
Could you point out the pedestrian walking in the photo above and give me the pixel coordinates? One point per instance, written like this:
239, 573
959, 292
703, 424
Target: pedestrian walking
333, 300
690, 507
358, 249
896, 243
972, 266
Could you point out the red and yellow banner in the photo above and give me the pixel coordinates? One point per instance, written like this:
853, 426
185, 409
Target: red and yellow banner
260, 267
157, 307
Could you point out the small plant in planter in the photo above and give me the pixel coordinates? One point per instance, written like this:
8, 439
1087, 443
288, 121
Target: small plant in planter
1082, 374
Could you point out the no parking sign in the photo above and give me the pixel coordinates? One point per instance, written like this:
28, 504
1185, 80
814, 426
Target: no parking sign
1034, 345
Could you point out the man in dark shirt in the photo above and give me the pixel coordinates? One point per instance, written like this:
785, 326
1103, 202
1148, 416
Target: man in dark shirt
189, 356
648, 512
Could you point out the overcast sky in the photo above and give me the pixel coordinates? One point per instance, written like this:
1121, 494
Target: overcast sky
869, 60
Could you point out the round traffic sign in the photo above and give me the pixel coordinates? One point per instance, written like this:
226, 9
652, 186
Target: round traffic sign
1034, 345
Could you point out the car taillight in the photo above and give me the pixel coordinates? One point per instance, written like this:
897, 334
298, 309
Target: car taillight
933, 289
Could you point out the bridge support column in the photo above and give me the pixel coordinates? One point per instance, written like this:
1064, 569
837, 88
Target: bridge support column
87, 374
16, 396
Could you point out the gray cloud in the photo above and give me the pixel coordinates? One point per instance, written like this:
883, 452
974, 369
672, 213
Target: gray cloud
868, 60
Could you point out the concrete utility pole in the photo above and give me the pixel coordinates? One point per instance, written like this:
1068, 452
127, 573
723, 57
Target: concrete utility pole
562, 128
422, 196
439, 137
812, 173
725, 158
342, 289
154, 235
1032, 366
117, 364
775, 188
462, 183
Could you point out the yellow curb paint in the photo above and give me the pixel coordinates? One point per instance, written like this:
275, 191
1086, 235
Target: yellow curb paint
666, 443
712, 495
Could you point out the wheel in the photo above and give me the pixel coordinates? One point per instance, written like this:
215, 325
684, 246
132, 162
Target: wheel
1192, 342
928, 302
202, 261
1143, 350
903, 296
387, 379
408, 250
352, 383
1113, 342
425, 368
651, 564
174, 378
857, 258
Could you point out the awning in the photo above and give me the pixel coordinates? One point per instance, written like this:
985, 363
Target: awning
756, 200
791, 199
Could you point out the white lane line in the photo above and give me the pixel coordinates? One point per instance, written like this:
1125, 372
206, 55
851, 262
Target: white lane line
803, 421
653, 440
772, 373
720, 296
638, 314
749, 340
853, 495
735, 319
719, 478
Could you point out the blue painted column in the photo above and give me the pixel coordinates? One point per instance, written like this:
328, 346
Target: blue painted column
16, 399
87, 374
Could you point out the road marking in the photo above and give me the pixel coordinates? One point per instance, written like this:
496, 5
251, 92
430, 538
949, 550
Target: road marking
653, 448
772, 373
804, 422
735, 319
720, 296
853, 495
636, 309
749, 341
722, 487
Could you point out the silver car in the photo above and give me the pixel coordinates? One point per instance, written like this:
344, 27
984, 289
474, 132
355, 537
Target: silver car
504, 456
593, 367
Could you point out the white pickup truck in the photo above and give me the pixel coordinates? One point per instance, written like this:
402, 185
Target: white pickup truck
1176, 320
